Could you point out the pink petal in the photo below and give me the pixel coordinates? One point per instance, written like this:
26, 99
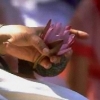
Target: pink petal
67, 27
71, 38
63, 51
52, 34
55, 32
64, 46
65, 36
48, 33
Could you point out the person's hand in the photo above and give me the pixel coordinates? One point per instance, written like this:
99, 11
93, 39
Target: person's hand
23, 36
23, 42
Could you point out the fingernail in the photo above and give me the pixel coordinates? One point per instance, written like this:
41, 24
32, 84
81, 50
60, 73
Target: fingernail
54, 59
46, 51
47, 66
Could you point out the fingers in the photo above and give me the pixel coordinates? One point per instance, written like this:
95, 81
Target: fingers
39, 44
26, 53
56, 59
19, 52
46, 63
79, 34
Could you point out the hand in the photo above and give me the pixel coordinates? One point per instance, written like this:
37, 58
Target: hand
23, 42
23, 36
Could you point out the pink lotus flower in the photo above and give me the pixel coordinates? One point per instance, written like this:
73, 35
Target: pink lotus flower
57, 32
59, 40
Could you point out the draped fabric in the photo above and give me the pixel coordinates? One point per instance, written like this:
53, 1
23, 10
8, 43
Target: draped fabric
87, 18
97, 2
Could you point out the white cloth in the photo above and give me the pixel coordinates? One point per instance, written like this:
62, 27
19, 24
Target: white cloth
16, 88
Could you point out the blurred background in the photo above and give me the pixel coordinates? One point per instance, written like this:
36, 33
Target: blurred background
82, 74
